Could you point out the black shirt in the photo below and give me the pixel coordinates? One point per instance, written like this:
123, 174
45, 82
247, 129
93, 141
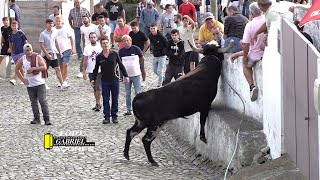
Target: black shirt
96, 15
159, 43
138, 39
307, 36
5, 32
109, 67
114, 9
175, 52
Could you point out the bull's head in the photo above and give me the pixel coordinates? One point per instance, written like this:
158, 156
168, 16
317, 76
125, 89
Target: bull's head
211, 47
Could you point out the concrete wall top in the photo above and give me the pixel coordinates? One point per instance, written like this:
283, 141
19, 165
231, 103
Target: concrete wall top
232, 74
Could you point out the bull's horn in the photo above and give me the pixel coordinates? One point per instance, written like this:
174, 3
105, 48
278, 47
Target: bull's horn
226, 49
197, 50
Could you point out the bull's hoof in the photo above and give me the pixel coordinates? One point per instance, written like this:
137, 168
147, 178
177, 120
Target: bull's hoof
126, 155
155, 164
203, 139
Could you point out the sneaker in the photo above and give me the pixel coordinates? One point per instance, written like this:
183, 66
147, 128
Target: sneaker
98, 107
59, 85
112, 46
106, 121
12, 61
254, 94
115, 120
65, 84
47, 87
128, 113
80, 75
143, 84
35, 122
47, 123
13, 82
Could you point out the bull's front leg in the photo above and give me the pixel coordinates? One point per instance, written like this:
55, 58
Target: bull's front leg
203, 119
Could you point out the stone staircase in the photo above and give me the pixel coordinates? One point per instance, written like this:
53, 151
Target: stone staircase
34, 15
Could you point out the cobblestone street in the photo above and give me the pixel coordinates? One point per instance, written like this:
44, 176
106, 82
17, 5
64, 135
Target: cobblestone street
22, 154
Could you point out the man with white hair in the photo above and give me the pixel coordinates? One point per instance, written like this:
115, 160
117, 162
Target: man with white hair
133, 61
271, 15
251, 53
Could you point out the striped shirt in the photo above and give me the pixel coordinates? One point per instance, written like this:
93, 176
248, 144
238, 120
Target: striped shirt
139, 8
76, 16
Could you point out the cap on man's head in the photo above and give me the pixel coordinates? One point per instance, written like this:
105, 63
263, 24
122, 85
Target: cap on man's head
208, 15
27, 47
150, 2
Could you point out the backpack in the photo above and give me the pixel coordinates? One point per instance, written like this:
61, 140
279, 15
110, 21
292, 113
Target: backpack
34, 64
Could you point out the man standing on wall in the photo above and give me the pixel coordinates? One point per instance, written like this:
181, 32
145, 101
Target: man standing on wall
75, 21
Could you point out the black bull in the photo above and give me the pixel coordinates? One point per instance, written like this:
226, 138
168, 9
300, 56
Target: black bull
189, 94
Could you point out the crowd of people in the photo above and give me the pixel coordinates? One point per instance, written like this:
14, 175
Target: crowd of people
111, 51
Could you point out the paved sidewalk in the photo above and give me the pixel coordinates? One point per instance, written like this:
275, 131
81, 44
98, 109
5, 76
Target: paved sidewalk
22, 155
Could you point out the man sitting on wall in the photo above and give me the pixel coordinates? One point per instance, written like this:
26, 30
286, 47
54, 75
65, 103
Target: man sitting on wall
251, 53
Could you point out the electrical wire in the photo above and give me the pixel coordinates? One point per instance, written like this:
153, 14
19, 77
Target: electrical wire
238, 132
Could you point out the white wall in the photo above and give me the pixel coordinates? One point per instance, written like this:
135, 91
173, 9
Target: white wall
272, 92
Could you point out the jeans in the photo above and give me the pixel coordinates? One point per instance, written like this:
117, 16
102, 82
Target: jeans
168, 36
199, 19
77, 36
157, 66
66, 57
173, 70
135, 80
245, 8
39, 93
236, 46
113, 25
108, 87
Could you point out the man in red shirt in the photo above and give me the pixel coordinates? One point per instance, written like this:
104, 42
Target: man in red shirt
187, 8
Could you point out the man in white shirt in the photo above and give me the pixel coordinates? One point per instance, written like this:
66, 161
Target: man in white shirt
163, 4
67, 48
56, 12
90, 52
133, 60
85, 30
102, 29
186, 34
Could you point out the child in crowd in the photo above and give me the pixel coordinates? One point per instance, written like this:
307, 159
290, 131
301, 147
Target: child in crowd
5, 32
16, 41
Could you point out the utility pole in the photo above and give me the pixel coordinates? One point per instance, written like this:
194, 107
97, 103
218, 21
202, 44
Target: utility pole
213, 4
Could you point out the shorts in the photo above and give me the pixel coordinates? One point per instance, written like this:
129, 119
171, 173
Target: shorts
17, 57
66, 57
250, 63
97, 82
141, 66
4, 51
53, 63
113, 25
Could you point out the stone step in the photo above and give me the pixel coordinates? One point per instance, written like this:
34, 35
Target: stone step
282, 168
221, 130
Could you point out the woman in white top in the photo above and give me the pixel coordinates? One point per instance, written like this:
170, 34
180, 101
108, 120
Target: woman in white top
35, 83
